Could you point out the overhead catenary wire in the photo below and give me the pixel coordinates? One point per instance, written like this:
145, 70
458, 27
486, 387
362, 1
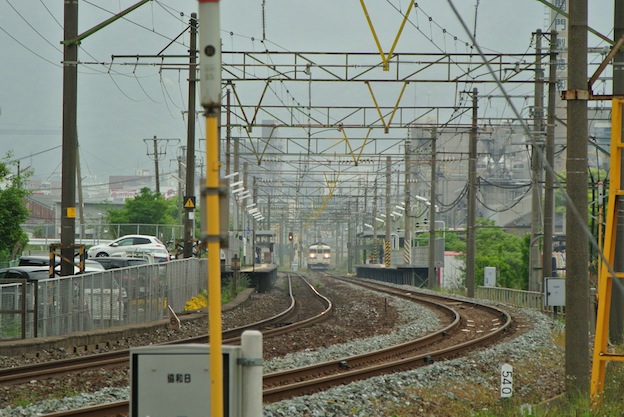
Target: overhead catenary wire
571, 206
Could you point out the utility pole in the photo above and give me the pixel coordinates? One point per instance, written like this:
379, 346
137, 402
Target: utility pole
375, 245
301, 250
70, 137
549, 199
433, 282
577, 278
71, 40
244, 217
616, 321
350, 237
157, 155
228, 133
181, 157
388, 212
472, 200
189, 213
536, 163
407, 235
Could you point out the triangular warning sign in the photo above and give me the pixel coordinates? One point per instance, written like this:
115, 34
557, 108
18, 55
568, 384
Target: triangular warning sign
189, 203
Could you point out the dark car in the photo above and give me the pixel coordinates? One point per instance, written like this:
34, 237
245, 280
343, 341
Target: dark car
30, 273
41, 260
113, 262
37, 260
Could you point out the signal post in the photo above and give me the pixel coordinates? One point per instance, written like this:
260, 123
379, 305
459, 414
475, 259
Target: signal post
210, 86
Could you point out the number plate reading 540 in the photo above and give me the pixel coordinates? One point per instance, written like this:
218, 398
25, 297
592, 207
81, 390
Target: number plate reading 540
506, 381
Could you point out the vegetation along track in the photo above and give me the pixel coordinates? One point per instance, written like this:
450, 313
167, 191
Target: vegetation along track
305, 310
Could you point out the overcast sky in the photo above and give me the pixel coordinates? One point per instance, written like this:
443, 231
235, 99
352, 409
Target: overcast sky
121, 105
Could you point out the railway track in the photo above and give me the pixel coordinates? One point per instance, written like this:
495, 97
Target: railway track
471, 325
466, 326
270, 327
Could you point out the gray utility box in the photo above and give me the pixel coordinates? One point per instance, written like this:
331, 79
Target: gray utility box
174, 381
554, 292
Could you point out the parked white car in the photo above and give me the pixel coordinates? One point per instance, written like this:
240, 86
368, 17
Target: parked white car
127, 244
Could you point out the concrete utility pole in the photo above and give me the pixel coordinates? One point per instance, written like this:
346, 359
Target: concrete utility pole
228, 133
350, 239
158, 154
181, 157
616, 319
71, 40
374, 245
70, 137
388, 211
407, 239
472, 199
433, 281
189, 213
577, 279
535, 270
549, 200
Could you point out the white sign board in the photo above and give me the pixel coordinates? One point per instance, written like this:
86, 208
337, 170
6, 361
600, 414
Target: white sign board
174, 380
506, 389
489, 276
554, 292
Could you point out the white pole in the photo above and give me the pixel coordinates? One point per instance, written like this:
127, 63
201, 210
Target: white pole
251, 395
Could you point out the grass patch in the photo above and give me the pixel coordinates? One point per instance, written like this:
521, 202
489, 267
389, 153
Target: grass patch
228, 293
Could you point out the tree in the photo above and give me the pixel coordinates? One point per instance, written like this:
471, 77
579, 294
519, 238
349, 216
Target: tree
454, 242
505, 251
147, 208
495, 247
13, 211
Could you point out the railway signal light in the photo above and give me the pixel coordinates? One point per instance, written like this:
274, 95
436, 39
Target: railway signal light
290, 236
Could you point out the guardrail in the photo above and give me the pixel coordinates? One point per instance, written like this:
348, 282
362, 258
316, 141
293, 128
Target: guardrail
519, 298
49, 241
96, 233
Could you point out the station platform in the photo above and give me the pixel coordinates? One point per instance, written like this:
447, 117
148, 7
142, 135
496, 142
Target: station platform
261, 276
415, 275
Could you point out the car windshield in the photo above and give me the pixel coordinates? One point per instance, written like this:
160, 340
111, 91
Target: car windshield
36, 261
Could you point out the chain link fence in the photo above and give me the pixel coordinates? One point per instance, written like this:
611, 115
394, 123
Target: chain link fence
132, 295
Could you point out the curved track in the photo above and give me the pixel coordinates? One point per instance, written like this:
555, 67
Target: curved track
468, 325
270, 327
472, 325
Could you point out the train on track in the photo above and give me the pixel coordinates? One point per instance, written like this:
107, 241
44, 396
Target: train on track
319, 256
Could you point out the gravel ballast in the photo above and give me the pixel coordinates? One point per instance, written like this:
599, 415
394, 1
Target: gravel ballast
436, 390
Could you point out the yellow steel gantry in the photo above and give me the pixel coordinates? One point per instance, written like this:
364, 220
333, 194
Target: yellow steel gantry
607, 274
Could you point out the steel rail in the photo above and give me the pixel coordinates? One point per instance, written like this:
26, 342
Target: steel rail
347, 373
120, 358
411, 354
